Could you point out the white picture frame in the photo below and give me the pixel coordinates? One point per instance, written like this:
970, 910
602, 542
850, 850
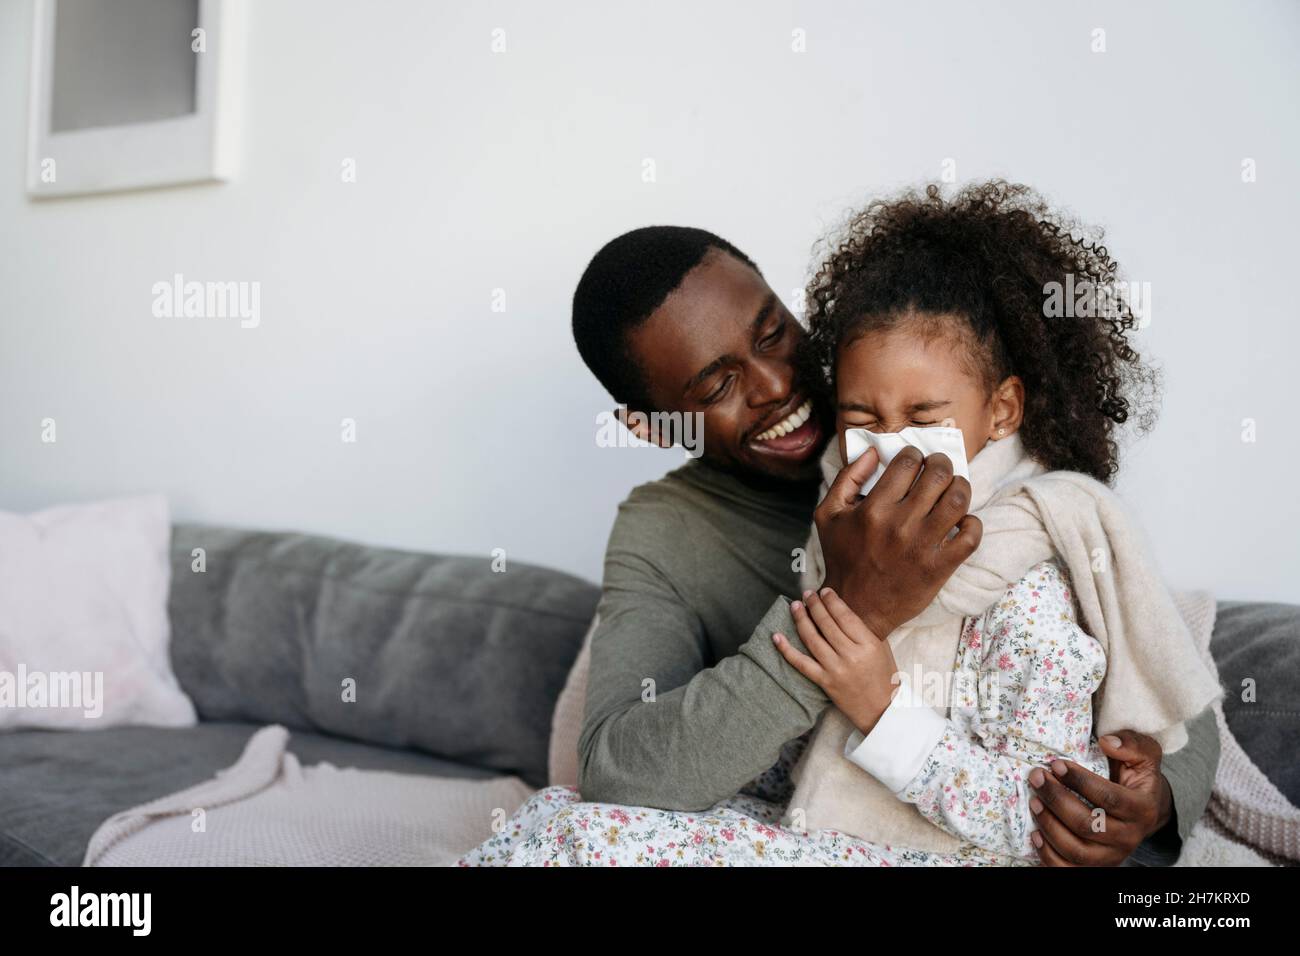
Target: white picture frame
195, 147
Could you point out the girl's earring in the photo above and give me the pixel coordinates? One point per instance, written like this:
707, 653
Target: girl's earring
1001, 432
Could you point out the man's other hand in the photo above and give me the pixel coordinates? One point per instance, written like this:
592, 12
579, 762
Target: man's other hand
1137, 802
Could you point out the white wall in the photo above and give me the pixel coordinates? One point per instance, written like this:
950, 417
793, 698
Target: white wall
479, 171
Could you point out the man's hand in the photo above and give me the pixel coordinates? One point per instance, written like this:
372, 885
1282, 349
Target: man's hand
888, 554
1137, 802
853, 666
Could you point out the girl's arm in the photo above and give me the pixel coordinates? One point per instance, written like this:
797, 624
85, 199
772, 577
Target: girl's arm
1021, 697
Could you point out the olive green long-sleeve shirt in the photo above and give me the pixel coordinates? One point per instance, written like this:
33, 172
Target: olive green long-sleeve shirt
688, 699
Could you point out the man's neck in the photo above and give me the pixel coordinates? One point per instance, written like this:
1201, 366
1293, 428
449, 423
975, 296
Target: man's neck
764, 483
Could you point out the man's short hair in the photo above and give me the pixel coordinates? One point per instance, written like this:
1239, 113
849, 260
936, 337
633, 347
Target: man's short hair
625, 281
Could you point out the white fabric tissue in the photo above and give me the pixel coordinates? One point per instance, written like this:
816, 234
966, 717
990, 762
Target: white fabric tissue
888, 444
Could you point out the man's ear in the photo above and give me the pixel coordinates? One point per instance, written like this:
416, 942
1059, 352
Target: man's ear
1008, 403
641, 425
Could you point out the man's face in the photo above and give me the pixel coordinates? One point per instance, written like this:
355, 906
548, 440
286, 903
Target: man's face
722, 344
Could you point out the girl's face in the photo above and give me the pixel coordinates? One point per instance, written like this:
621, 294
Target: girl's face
890, 379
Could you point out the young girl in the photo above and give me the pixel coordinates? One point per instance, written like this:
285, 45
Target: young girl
935, 312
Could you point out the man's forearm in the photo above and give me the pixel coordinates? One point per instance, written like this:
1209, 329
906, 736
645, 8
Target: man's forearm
1190, 771
700, 743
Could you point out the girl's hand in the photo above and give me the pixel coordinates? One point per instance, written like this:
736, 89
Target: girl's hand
853, 666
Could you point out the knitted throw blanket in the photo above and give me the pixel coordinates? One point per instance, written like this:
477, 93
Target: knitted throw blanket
268, 810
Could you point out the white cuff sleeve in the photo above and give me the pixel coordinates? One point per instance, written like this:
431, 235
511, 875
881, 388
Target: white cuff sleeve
903, 737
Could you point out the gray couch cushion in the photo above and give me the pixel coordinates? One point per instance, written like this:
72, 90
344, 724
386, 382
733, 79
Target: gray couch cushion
1261, 642
57, 787
447, 656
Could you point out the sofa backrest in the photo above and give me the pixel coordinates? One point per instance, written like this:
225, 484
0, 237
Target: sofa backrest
439, 654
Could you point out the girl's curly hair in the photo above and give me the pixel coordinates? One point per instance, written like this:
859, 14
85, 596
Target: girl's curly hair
990, 254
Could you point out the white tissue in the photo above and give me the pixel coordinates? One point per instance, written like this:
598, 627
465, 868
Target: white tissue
888, 444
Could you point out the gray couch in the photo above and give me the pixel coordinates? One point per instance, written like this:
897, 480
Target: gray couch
456, 668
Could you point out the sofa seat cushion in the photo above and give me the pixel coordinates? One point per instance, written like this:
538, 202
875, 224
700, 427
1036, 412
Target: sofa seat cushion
56, 787
1257, 649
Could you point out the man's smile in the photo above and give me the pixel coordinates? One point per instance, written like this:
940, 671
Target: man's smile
795, 435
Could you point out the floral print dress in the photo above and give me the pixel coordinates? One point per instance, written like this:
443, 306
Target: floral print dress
1023, 683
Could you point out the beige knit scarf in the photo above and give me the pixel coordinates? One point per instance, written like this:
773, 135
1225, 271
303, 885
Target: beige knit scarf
1155, 678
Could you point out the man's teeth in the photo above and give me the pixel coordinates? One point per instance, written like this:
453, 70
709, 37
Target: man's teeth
787, 425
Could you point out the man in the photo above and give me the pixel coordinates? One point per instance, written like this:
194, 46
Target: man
688, 698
